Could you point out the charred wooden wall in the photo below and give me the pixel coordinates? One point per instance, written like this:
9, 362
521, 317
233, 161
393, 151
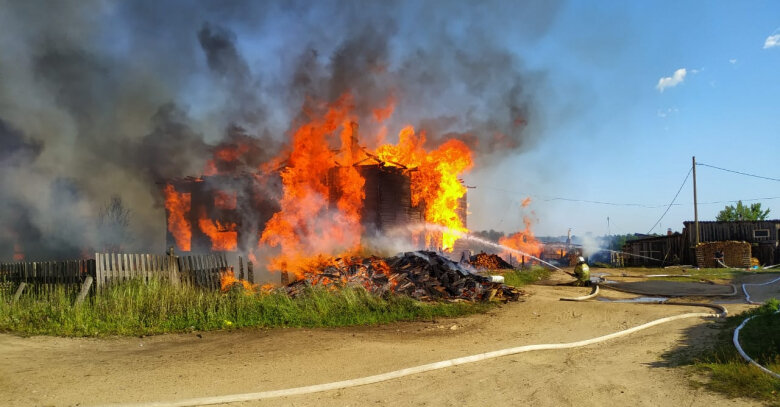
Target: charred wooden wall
388, 200
242, 200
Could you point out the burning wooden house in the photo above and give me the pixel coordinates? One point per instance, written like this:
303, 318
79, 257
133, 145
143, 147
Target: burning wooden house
227, 213
218, 213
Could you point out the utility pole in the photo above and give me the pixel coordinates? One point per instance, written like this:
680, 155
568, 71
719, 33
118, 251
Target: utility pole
695, 206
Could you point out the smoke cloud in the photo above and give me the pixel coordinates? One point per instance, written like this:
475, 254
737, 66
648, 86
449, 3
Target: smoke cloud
103, 100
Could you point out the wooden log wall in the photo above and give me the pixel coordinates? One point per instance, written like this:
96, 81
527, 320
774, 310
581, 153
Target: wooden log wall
45, 278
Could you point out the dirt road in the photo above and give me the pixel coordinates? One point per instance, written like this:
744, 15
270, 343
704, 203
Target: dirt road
632, 370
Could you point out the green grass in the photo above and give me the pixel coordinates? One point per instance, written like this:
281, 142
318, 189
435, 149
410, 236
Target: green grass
760, 338
518, 278
135, 308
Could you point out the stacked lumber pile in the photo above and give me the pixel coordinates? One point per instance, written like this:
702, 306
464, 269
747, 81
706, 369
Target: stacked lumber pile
485, 261
422, 275
735, 254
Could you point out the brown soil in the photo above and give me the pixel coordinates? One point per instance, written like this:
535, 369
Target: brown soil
633, 370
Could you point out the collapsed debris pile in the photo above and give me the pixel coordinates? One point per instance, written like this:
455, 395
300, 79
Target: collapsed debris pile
422, 275
485, 261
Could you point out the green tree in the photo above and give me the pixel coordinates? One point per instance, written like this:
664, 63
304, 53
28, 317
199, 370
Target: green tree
742, 212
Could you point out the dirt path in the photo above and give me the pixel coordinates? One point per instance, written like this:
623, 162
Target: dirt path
626, 371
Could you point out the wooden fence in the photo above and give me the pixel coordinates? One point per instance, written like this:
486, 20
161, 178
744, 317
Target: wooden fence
117, 267
203, 270
45, 277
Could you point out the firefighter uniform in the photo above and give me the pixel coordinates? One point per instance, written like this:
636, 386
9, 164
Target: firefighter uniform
582, 272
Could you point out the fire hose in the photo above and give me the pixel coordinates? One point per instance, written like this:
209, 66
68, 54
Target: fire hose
735, 338
202, 401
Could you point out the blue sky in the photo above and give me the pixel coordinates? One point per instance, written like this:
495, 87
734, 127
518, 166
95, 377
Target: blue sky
612, 135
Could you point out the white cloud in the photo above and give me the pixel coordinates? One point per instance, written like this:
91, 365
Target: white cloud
671, 81
733, 61
772, 41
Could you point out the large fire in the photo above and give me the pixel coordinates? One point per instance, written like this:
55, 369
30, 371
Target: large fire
311, 220
305, 221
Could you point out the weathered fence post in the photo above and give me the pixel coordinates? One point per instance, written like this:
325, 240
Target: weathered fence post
99, 270
84, 290
240, 268
250, 272
19, 291
173, 268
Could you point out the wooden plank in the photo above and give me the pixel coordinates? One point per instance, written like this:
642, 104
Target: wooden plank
137, 270
209, 271
84, 290
111, 272
100, 270
127, 273
201, 270
191, 271
214, 272
196, 272
130, 265
18, 292
144, 267
173, 270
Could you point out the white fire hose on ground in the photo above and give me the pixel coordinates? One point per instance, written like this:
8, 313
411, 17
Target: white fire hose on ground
202, 401
735, 338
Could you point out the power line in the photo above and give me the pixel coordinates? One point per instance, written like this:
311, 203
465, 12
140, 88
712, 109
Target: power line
638, 205
738, 172
736, 200
604, 203
673, 199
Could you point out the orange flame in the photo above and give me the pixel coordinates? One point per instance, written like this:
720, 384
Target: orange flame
524, 240
526, 202
224, 236
227, 279
435, 181
305, 225
178, 207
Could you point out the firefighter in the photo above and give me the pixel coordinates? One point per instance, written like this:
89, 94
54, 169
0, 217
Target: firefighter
582, 272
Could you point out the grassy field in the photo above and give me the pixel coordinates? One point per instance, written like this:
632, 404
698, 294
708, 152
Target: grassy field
135, 308
519, 278
760, 339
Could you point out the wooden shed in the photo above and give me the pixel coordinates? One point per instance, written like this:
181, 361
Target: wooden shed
763, 235
655, 251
